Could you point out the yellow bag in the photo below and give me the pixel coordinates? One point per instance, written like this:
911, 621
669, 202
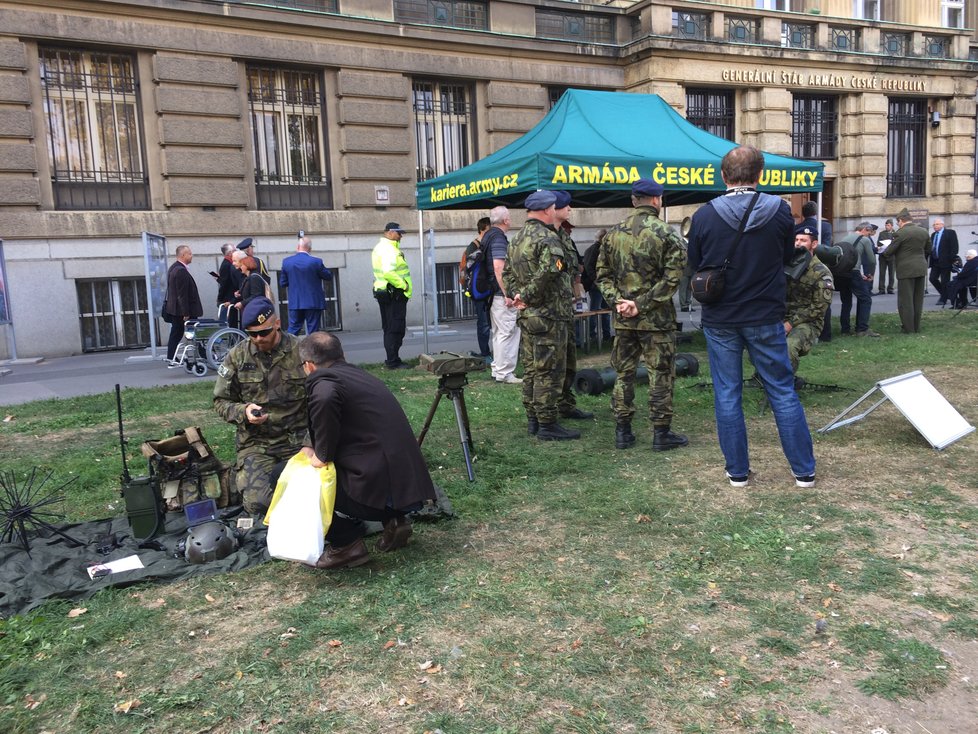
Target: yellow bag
295, 530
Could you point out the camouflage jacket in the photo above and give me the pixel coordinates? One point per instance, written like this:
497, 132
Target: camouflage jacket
274, 381
810, 295
537, 269
642, 260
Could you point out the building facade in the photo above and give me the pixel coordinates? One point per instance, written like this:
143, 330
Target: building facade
207, 122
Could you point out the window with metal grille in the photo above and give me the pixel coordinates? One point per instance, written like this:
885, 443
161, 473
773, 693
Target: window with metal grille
451, 13
554, 94
287, 115
797, 35
451, 302
91, 109
895, 44
327, 6
814, 127
695, 26
905, 143
113, 314
579, 27
331, 318
936, 47
844, 39
742, 30
711, 110
442, 127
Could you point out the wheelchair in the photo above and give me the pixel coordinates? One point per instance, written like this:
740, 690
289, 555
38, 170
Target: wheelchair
205, 343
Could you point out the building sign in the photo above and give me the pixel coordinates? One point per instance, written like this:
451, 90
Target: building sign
802, 80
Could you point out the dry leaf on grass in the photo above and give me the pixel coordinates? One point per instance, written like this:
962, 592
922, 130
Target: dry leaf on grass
31, 703
8, 419
334, 643
389, 644
119, 674
210, 598
126, 706
76, 612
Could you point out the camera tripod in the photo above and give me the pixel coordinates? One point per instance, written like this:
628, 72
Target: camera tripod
452, 385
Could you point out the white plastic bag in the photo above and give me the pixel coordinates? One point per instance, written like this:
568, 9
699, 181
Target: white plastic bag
295, 518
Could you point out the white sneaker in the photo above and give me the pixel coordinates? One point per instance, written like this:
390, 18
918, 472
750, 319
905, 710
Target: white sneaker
805, 482
510, 380
743, 481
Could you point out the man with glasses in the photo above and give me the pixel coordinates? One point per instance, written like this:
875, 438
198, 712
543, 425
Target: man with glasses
261, 389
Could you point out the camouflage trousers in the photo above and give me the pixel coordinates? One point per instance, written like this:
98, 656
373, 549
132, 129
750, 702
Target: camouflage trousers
543, 352
801, 339
567, 401
256, 474
659, 350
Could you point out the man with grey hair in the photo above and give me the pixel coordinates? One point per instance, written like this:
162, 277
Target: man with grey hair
502, 313
944, 250
303, 275
860, 282
228, 284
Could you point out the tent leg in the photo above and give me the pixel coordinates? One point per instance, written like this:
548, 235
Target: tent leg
424, 288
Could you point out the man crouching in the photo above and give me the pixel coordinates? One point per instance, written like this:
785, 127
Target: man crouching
357, 423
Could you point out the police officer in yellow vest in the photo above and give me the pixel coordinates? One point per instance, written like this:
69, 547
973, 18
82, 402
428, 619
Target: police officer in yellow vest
392, 289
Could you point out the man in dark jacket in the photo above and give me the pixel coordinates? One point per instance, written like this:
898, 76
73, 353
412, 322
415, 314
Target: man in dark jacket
750, 315
357, 423
182, 300
944, 250
228, 284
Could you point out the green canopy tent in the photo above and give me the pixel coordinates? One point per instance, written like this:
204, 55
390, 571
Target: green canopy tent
594, 145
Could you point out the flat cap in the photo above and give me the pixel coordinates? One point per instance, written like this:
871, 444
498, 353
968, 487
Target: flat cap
540, 200
245, 243
563, 199
393, 227
258, 311
647, 187
806, 229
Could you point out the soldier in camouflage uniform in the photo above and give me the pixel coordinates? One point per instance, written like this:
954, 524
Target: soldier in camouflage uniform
536, 276
809, 296
567, 404
261, 388
639, 266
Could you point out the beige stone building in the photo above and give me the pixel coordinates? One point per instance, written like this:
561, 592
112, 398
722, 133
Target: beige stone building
207, 122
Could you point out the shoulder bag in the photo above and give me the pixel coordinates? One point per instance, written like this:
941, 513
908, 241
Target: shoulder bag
708, 284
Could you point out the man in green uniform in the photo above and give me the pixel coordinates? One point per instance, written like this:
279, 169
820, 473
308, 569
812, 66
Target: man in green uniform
809, 296
639, 266
567, 404
537, 277
910, 252
261, 389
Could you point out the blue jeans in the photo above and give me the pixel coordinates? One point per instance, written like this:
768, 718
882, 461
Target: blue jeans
863, 291
768, 350
482, 326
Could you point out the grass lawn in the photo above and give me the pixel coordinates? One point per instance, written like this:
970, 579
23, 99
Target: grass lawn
579, 589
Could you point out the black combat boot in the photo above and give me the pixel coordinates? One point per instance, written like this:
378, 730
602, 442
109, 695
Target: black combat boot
664, 439
624, 438
556, 432
532, 426
577, 414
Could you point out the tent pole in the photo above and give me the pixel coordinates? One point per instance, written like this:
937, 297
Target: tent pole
818, 224
424, 286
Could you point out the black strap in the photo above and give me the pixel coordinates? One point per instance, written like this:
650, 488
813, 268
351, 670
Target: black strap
740, 232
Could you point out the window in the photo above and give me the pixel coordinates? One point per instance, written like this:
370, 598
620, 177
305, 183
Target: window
331, 319
327, 6
797, 35
94, 137
287, 132
553, 96
866, 9
783, 5
443, 127
711, 110
742, 30
895, 44
579, 27
451, 13
952, 13
451, 302
113, 314
814, 127
694, 26
936, 47
906, 129
844, 39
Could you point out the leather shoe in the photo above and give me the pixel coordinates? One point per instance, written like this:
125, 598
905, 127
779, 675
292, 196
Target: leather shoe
354, 554
398, 366
532, 426
577, 414
556, 432
868, 332
624, 438
397, 530
664, 439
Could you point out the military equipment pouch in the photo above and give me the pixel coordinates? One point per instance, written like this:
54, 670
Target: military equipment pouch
189, 471
144, 507
450, 363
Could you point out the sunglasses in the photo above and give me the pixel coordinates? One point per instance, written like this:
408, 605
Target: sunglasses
263, 332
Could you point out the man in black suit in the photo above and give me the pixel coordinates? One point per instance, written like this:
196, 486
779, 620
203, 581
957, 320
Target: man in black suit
944, 248
182, 300
229, 283
356, 422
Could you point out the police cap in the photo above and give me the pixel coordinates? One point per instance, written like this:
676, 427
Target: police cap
807, 230
245, 244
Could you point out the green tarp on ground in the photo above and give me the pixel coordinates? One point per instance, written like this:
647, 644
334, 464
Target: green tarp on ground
594, 145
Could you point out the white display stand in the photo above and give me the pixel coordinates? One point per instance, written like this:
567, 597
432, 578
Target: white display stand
921, 404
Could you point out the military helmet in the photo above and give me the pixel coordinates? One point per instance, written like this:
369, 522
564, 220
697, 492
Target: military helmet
210, 541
